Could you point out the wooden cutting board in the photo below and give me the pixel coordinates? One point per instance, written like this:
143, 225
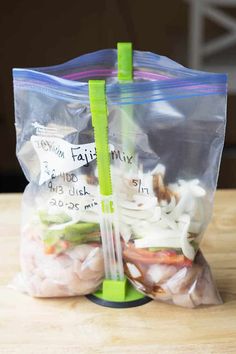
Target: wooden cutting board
78, 326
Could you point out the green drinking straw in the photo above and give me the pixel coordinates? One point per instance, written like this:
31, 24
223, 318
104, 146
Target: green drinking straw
116, 291
125, 75
108, 219
125, 62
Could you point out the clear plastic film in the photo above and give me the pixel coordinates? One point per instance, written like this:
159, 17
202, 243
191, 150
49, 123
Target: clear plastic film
164, 169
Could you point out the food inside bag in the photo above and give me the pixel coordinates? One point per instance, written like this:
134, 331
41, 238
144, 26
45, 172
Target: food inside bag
166, 132
164, 235
61, 251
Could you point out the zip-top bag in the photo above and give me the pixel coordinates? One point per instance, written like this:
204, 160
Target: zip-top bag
122, 151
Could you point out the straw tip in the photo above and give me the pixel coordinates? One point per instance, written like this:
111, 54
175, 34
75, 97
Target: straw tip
124, 45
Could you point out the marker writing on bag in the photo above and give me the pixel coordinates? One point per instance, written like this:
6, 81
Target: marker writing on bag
91, 205
76, 191
86, 156
116, 154
50, 146
90, 155
138, 183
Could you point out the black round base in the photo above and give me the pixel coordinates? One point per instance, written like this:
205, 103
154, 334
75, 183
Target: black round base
118, 305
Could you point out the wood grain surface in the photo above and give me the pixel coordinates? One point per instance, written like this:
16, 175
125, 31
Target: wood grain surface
76, 325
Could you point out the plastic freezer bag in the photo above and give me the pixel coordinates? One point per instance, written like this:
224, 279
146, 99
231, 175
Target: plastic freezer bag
165, 162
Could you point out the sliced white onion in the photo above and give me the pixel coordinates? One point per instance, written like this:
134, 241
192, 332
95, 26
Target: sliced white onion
137, 214
187, 248
134, 271
169, 207
195, 227
154, 242
127, 220
198, 191
156, 215
125, 231
163, 224
180, 207
140, 203
145, 229
147, 201
169, 221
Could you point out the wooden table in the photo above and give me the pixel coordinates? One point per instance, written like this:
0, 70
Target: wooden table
76, 325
